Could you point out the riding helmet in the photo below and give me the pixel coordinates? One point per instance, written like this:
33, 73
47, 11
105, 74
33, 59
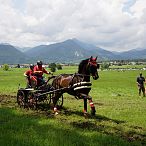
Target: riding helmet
39, 62
31, 66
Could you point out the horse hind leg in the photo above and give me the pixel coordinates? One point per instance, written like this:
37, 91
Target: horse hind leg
55, 99
85, 107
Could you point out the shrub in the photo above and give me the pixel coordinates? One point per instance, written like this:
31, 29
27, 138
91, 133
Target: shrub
59, 67
105, 65
5, 67
53, 69
52, 66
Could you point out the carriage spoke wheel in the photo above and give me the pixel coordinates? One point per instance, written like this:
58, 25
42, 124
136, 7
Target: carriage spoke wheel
32, 100
21, 99
60, 102
48, 99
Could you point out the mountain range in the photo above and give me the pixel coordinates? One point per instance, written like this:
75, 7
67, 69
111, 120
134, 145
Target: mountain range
69, 51
10, 55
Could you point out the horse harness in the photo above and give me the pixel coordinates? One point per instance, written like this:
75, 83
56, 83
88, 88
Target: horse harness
73, 83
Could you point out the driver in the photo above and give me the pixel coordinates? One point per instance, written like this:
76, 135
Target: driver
39, 70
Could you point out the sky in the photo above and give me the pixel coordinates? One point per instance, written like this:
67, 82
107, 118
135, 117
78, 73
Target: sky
114, 25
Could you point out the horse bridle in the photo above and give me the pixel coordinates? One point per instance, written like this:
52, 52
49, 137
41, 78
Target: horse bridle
93, 63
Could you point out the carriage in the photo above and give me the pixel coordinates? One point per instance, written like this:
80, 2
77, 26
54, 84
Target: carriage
77, 84
33, 97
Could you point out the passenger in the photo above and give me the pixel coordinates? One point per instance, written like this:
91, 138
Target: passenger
140, 83
29, 74
39, 70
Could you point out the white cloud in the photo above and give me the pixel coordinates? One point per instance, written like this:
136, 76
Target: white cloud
138, 8
112, 24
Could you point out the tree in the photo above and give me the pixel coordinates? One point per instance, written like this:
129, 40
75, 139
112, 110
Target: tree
52, 66
105, 65
53, 69
5, 67
59, 67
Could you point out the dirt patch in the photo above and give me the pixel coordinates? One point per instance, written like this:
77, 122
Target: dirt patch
133, 135
7, 100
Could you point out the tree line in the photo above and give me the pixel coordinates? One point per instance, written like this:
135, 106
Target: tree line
53, 67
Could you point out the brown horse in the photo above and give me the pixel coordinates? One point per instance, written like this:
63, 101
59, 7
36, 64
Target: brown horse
77, 84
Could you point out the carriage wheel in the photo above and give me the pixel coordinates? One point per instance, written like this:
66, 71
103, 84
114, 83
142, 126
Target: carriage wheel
46, 100
32, 101
21, 99
60, 102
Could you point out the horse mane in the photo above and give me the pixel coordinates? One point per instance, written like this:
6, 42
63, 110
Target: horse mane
82, 64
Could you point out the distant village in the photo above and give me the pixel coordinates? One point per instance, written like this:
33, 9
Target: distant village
104, 65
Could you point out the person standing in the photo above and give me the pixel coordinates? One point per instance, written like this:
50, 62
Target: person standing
140, 83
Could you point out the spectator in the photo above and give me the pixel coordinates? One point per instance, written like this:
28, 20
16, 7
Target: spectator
140, 83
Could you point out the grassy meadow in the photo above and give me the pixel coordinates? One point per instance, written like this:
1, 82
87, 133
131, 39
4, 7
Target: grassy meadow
120, 114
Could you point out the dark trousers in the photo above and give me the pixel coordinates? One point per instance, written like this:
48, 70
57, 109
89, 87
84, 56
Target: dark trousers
142, 88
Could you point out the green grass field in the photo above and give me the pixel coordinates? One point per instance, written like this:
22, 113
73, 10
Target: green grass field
120, 114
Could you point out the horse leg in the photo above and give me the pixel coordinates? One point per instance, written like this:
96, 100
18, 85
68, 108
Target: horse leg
84, 97
55, 99
93, 111
85, 106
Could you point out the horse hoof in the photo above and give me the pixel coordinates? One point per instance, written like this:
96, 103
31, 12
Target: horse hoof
86, 115
93, 112
56, 113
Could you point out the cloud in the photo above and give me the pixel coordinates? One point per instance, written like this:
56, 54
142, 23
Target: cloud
111, 24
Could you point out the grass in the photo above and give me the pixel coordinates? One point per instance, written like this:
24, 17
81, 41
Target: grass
120, 118
29, 129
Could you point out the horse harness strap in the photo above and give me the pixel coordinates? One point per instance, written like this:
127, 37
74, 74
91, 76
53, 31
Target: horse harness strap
80, 84
76, 83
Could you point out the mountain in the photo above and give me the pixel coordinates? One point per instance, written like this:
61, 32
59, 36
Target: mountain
22, 49
102, 53
67, 51
71, 50
10, 55
84, 45
138, 53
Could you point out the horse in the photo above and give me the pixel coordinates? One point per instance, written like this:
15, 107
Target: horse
67, 83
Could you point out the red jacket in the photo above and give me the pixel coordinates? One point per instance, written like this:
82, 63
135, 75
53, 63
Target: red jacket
28, 73
39, 70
